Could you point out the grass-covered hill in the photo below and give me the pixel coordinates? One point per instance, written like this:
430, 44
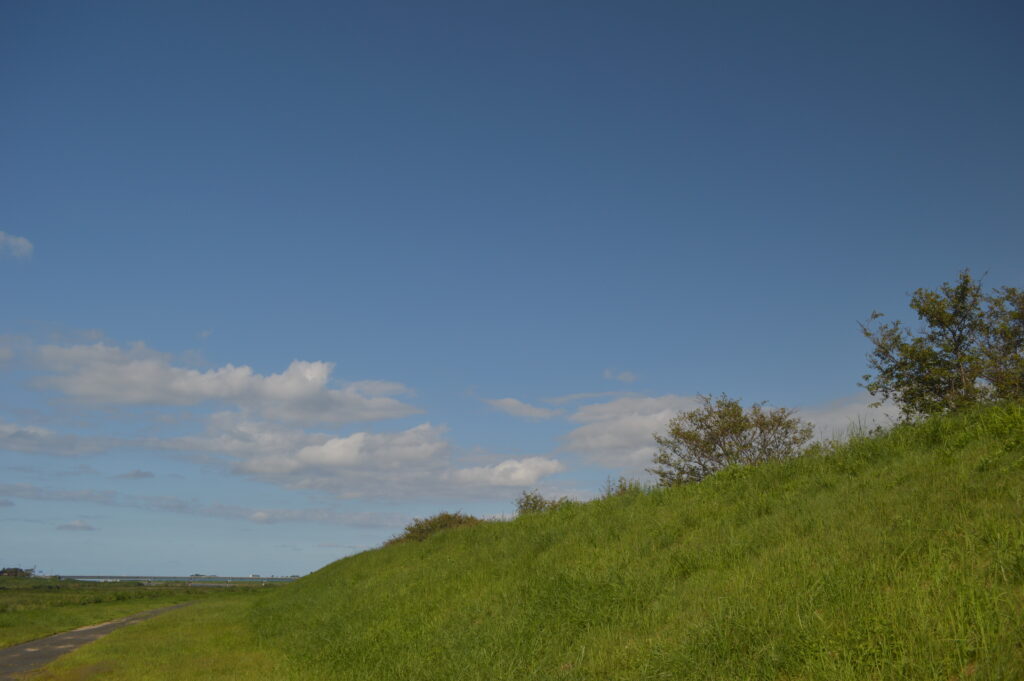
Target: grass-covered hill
898, 556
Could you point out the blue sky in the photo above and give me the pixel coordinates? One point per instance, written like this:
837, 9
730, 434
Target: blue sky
278, 277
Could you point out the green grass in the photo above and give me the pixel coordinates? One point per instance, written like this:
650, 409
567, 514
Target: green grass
899, 556
208, 640
31, 608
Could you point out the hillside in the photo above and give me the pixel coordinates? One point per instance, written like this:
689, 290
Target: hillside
899, 556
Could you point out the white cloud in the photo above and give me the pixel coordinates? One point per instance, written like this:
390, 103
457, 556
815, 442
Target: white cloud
576, 397
620, 433
141, 376
77, 526
623, 376
416, 462
233, 434
515, 407
511, 472
18, 246
418, 446
835, 419
35, 440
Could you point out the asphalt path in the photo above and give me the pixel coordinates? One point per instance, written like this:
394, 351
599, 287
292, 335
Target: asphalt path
26, 657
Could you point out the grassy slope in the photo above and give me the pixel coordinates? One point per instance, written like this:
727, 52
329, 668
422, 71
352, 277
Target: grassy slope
896, 557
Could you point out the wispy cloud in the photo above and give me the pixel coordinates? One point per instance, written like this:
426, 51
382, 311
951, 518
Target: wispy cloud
138, 375
233, 434
17, 246
36, 440
511, 405
511, 472
619, 433
578, 397
77, 526
835, 419
175, 505
621, 376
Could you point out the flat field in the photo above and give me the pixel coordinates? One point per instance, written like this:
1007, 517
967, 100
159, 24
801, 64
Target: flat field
32, 607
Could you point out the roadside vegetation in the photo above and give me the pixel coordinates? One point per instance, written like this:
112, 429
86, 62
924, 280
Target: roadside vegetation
33, 607
895, 554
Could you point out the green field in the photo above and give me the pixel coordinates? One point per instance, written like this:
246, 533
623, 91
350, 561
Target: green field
32, 607
897, 556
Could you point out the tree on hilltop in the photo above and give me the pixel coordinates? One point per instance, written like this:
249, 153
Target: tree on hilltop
970, 349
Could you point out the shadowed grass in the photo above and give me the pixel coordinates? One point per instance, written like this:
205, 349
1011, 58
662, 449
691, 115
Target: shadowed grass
899, 556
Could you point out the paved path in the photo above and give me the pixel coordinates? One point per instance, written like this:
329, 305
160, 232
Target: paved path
25, 657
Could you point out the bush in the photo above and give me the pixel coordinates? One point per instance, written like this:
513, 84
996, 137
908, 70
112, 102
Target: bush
17, 572
534, 502
421, 528
721, 433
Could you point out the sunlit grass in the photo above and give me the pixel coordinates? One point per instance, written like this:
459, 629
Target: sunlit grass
31, 608
207, 640
898, 556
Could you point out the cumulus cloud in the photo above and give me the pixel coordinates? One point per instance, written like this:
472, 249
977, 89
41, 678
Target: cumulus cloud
141, 376
515, 407
35, 440
416, 462
418, 446
623, 376
619, 433
511, 472
17, 246
77, 526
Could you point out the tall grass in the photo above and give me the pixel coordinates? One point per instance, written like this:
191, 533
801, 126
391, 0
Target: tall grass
894, 556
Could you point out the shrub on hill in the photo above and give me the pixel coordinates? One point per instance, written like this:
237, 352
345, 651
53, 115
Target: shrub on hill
421, 528
722, 433
534, 502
